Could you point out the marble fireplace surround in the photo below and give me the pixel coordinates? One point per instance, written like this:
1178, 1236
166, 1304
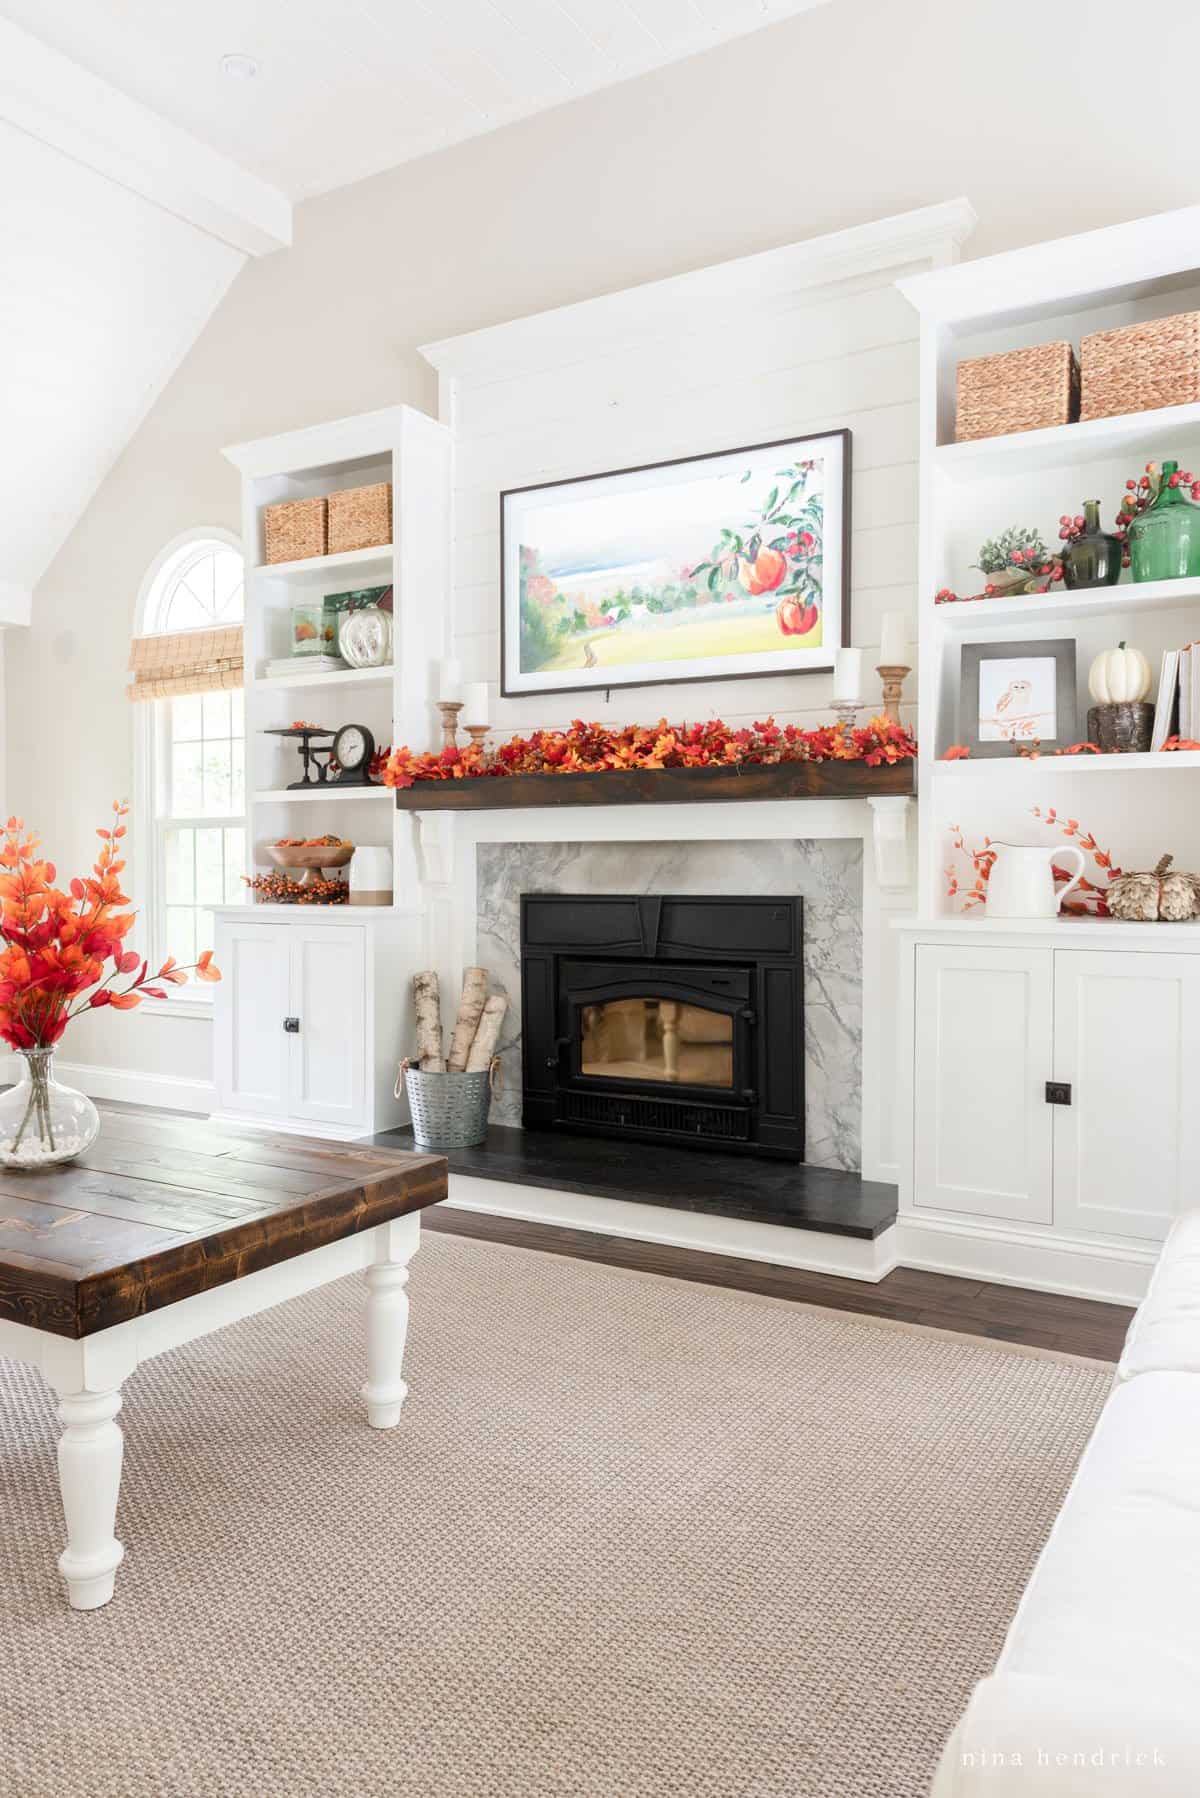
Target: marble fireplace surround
471, 868
827, 874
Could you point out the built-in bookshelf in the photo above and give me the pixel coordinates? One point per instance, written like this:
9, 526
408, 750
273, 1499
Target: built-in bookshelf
412, 452
972, 491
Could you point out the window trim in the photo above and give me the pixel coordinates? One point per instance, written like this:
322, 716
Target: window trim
191, 1001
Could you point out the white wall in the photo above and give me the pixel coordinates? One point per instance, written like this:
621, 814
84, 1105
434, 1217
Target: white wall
846, 114
766, 366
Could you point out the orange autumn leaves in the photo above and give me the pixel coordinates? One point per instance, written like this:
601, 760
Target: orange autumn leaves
594, 748
58, 945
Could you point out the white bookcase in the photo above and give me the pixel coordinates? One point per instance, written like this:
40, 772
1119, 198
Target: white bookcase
314, 1010
996, 1181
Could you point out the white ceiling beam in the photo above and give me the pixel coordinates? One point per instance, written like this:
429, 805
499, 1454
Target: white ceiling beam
54, 99
16, 603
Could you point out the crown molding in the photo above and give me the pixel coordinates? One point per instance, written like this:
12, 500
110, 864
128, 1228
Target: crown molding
932, 234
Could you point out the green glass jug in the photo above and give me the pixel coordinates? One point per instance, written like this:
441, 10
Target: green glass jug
1164, 540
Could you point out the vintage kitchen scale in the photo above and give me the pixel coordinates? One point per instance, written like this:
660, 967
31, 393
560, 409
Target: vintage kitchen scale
330, 758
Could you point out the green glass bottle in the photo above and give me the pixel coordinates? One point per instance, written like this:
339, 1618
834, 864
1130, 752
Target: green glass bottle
1164, 540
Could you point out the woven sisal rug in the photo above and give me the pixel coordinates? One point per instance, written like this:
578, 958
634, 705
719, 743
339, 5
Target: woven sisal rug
634, 1538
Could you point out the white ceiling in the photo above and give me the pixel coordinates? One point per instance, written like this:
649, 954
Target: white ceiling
350, 87
135, 177
101, 294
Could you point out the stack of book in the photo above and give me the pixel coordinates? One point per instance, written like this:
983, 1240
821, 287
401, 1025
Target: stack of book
1177, 707
318, 664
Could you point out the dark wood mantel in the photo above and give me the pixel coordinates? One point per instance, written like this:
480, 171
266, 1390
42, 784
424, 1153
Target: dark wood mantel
662, 786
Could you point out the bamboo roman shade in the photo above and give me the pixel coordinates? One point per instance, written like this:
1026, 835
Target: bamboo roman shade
186, 662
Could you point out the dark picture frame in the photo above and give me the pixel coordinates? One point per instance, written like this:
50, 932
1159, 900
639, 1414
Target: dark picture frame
1008, 697
734, 583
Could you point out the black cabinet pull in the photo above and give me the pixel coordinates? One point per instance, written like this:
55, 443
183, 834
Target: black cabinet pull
292, 1026
1058, 1092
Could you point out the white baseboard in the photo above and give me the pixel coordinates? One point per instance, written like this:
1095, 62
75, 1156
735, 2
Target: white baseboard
817, 1251
1011, 1256
169, 1092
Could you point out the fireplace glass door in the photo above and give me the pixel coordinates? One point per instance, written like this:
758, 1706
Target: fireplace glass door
657, 1040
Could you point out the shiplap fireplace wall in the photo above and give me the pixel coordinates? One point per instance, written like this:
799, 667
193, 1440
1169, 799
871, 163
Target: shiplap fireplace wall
808, 337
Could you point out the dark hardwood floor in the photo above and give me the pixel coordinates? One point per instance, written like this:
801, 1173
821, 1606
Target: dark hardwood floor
1007, 1313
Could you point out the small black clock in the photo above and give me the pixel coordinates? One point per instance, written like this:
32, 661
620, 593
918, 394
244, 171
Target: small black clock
353, 750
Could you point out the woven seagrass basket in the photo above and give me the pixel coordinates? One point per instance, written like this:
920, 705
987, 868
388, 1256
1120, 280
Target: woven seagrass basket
294, 530
449, 1111
360, 517
1017, 390
1141, 367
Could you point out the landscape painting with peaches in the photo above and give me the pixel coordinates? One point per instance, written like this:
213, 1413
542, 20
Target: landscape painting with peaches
725, 564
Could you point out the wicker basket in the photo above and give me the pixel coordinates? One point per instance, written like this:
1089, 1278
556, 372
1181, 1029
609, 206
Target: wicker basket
294, 530
1141, 367
449, 1111
1018, 390
360, 517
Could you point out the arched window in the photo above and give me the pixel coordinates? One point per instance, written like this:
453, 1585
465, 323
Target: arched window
191, 830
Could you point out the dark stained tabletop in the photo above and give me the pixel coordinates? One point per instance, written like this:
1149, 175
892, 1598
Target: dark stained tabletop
161, 1208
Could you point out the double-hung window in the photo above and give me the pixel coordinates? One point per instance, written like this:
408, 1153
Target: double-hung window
192, 827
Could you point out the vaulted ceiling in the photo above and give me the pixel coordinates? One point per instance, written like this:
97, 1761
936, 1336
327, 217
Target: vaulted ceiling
136, 176
347, 89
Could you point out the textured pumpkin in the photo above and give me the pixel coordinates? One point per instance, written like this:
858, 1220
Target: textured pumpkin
1119, 676
1158, 896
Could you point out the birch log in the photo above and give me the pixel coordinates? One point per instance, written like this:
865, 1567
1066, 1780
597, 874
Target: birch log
488, 1034
429, 1023
470, 1009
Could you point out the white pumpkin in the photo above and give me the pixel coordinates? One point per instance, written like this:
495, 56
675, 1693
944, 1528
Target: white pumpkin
1119, 676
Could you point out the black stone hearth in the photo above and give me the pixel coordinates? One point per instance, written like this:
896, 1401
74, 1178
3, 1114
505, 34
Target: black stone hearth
750, 1189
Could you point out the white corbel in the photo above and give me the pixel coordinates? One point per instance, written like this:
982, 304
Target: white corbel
890, 830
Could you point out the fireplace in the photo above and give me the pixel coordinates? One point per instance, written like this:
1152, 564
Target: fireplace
665, 1019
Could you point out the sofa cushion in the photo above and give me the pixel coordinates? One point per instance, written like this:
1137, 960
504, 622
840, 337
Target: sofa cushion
1165, 1333
1115, 1597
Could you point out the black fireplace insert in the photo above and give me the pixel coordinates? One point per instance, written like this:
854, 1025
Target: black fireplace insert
665, 1019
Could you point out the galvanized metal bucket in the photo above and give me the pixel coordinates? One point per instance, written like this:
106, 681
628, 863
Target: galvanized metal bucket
449, 1111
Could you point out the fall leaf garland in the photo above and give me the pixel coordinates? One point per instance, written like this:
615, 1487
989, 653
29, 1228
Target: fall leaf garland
594, 748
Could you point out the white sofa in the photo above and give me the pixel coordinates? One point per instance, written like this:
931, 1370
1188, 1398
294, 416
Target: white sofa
1097, 1691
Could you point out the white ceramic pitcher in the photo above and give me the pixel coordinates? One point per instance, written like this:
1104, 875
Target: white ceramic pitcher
1021, 883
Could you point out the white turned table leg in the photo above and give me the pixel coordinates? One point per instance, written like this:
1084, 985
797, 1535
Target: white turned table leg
387, 1320
89, 1472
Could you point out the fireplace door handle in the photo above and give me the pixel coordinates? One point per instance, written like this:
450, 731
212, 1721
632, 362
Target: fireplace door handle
749, 1095
560, 1043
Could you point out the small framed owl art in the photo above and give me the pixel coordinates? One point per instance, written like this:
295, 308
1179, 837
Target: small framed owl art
1014, 695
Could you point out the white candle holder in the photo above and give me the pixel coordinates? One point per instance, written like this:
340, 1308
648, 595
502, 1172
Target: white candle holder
847, 711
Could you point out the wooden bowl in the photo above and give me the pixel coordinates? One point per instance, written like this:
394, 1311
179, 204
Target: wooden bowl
312, 857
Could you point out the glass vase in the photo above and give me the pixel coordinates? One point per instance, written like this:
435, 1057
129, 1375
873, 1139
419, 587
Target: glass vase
42, 1122
1093, 560
1164, 541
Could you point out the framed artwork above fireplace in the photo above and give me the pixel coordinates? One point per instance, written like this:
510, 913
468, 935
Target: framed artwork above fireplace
709, 567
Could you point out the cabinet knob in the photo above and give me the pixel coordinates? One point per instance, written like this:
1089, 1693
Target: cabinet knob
292, 1026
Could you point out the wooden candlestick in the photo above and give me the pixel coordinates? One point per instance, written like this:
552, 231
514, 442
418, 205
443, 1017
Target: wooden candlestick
478, 734
892, 675
449, 708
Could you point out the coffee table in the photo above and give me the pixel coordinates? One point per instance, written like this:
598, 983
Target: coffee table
166, 1230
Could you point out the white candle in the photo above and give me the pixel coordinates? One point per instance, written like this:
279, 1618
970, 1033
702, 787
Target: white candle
893, 650
450, 679
475, 702
847, 677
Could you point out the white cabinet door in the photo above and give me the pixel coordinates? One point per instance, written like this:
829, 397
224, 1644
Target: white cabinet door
252, 1048
329, 997
1127, 1039
983, 1056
